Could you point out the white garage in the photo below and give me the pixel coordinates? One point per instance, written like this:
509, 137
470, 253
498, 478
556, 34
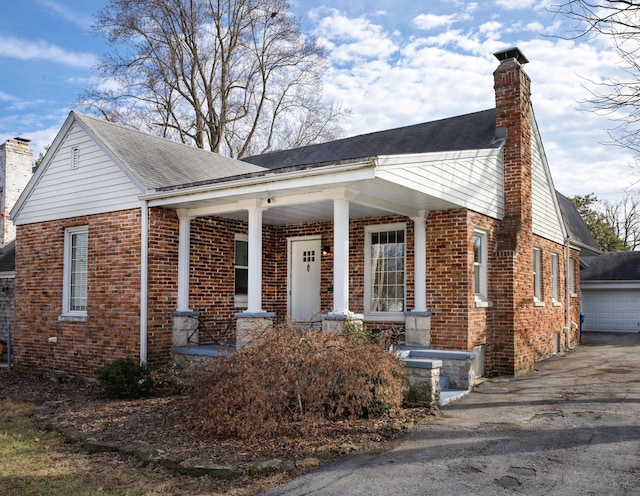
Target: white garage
610, 287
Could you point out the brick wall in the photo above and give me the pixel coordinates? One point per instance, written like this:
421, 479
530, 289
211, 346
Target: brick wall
111, 329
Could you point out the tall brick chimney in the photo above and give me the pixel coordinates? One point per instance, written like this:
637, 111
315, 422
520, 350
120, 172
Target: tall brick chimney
513, 262
16, 167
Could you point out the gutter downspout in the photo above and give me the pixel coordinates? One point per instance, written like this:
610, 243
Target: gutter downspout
567, 265
144, 279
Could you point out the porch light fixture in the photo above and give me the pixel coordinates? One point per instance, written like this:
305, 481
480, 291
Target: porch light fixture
4, 291
326, 250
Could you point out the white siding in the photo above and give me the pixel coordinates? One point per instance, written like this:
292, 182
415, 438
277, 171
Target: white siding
470, 179
98, 185
546, 217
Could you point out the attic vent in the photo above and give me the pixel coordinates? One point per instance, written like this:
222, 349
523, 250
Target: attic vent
75, 157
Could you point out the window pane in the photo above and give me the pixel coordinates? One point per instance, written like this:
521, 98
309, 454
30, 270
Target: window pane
242, 253
241, 281
387, 271
78, 287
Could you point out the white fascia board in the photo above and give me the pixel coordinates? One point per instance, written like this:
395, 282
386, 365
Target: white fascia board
596, 285
419, 159
268, 184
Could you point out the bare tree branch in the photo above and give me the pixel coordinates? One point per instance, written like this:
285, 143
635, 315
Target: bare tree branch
234, 76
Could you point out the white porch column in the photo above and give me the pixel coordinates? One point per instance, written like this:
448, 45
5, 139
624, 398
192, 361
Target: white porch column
417, 322
254, 292
420, 262
184, 251
340, 256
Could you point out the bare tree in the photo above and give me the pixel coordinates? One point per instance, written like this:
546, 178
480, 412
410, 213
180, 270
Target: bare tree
624, 216
235, 76
619, 22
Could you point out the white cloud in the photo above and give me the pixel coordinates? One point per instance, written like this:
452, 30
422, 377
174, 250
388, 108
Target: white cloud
350, 40
73, 15
430, 21
21, 49
515, 4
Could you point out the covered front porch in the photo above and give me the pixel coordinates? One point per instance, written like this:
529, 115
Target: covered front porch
317, 244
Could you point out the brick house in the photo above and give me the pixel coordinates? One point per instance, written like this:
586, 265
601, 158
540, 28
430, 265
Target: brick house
130, 244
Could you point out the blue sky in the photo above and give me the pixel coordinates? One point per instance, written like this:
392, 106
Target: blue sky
393, 63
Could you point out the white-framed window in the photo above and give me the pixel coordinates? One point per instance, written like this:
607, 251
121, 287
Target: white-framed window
75, 280
480, 258
571, 282
75, 157
385, 270
537, 275
555, 278
241, 270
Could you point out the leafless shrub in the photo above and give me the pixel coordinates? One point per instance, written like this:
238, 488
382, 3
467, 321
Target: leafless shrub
289, 382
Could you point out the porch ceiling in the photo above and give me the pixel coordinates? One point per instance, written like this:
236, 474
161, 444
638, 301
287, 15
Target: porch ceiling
368, 198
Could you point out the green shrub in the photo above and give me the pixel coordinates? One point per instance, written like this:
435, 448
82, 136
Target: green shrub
125, 378
291, 381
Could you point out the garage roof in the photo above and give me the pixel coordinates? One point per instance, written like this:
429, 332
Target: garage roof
613, 266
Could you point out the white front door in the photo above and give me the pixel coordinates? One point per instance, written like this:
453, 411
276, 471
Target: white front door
304, 277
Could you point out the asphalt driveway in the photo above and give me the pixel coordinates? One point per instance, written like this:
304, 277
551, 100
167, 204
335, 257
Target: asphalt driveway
571, 427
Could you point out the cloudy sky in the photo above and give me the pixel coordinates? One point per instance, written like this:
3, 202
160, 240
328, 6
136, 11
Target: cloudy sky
393, 63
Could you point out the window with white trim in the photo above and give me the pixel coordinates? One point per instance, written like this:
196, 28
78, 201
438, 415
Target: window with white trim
75, 280
385, 269
480, 258
537, 274
555, 277
241, 270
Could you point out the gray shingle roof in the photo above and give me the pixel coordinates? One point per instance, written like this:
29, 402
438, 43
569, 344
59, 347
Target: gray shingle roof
464, 132
576, 228
173, 163
613, 266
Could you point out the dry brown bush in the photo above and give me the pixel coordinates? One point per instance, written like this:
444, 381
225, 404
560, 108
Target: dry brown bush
289, 382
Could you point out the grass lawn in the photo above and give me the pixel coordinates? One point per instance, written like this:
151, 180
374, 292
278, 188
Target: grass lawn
34, 462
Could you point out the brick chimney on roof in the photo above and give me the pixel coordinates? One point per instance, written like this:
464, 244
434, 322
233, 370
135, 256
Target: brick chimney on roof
513, 261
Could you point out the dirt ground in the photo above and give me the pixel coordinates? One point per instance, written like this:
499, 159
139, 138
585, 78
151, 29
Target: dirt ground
162, 421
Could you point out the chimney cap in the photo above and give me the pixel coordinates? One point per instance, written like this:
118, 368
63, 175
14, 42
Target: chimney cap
511, 53
19, 139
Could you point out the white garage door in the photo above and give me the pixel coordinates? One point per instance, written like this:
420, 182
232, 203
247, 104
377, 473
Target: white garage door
615, 310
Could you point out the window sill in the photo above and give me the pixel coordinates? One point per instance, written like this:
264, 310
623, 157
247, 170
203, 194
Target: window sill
72, 317
384, 317
484, 304
557, 303
574, 295
538, 303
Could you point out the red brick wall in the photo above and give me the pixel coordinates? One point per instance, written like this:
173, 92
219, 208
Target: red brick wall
112, 326
448, 278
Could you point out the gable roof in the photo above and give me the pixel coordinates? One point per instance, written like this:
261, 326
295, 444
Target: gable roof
173, 163
612, 266
577, 230
464, 132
